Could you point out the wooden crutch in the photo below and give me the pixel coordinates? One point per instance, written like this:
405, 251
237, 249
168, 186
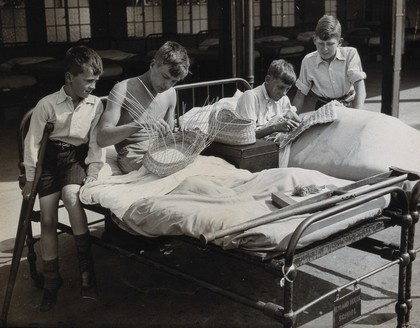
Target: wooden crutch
26, 212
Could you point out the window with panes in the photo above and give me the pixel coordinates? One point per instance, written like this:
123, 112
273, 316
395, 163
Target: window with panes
283, 13
144, 18
13, 28
256, 12
331, 7
67, 20
191, 16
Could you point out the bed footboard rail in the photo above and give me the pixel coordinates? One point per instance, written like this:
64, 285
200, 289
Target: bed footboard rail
404, 260
407, 218
412, 252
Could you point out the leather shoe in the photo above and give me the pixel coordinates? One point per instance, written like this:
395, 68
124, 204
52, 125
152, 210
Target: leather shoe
49, 298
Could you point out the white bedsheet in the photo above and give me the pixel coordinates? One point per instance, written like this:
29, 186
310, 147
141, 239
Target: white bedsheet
210, 195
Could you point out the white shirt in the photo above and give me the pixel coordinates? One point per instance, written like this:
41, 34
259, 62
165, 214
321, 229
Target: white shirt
256, 105
333, 80
75, 126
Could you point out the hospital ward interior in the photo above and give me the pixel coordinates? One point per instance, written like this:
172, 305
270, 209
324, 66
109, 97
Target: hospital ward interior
311, 227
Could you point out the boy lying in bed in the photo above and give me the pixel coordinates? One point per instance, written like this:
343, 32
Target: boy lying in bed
267, 105
152, 95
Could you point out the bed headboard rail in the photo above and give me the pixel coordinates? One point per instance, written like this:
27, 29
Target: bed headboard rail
201, 93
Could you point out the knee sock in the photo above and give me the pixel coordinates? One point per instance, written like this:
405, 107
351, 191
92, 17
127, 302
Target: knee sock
84, 252
52, 278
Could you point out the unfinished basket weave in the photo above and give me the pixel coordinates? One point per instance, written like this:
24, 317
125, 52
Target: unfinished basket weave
174, 152
232, 128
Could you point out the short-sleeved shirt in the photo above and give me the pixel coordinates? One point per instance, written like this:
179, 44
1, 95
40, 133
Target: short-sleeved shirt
256, 104
334, 80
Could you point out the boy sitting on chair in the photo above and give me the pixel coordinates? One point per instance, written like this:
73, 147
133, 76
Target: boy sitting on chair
72, 159
331, 72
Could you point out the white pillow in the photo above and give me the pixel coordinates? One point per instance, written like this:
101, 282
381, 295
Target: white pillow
198, 117
305, 36
271, 38
114, 54
207, 43
356, 145
17, 81
238, 93
21, 61
111, 166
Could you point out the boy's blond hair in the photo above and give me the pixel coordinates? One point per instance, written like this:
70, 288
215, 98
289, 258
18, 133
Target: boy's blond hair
328, 27
175, 56
79, 57
283, 70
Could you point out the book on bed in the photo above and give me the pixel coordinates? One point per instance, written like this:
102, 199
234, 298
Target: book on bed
299, 194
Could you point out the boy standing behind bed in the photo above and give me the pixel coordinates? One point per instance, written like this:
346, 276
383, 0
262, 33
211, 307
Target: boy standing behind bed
72, 159
152, 94
267, 105
331, 72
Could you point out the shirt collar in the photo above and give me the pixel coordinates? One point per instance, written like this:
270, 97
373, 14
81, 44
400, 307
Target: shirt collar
265, 93
62, 97
338, 55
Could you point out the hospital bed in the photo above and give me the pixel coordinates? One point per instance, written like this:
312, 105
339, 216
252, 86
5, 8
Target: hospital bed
346, 216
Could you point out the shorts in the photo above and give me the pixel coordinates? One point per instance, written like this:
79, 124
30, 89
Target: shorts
64, 164
130, 158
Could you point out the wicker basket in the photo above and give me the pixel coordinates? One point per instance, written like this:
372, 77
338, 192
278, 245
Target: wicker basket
232, 129
172, 153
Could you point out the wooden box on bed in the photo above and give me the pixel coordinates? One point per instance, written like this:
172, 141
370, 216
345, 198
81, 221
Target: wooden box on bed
255, 157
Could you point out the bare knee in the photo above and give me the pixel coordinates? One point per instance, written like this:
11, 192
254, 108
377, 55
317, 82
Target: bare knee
70, 195
49, 222
49, 211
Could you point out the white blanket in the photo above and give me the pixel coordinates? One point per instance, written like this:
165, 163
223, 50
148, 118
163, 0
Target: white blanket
358, 144
210, 195
120, 191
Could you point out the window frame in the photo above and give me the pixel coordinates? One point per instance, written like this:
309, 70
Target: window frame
190, 17
70, 27
144, 26
19, 32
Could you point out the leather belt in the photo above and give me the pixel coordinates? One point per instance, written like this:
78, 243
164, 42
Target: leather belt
63, 145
